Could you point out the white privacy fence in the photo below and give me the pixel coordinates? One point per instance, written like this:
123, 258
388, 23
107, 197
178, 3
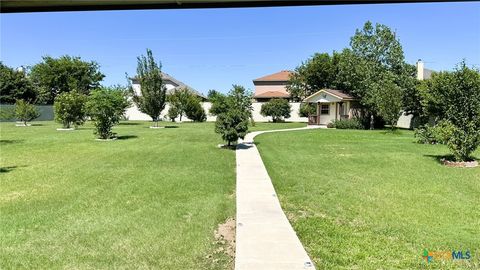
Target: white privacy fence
134, 114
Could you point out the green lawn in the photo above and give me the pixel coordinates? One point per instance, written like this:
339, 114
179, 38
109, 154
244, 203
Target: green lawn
151, 199
373, 200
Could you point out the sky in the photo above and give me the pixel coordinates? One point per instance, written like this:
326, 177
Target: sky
215, 48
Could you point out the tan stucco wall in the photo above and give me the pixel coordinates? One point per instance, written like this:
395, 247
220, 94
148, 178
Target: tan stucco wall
259, 89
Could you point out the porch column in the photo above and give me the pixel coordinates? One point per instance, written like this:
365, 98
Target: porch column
336, 106
318, 113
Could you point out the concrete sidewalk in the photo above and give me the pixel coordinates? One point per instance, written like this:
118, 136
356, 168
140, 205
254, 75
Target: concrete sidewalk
264, 237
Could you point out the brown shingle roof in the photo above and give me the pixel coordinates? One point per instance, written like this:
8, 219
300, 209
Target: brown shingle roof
272, 94
339, 93
283, 75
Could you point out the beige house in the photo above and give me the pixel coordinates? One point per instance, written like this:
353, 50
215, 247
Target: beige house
272, 86
331, 105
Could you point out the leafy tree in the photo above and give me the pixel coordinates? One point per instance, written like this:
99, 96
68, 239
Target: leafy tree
194, 110
106, 106
179, 99
218, 101
151, 100
277, 108
15, 85
25, 111
232, 122
454, 97
316, 73
69, 109
307, 109
388, 101
54, 76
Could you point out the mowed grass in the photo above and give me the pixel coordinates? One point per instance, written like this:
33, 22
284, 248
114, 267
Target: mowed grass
151, 199
374, 200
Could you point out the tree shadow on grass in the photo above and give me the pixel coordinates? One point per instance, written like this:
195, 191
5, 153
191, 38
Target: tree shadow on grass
129, 124
4, 142
439, 158
171, 126
126, 137
37, 125
9, 168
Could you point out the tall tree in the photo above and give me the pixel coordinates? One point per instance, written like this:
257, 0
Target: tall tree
316, 73
153, 92
54, 76
14, 84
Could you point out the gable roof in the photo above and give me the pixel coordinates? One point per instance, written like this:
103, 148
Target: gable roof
178, 84
281, 76
336, 93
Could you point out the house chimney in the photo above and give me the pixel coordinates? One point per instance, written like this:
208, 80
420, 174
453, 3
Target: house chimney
420, 68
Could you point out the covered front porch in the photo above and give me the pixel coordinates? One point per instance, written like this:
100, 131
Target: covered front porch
330, 105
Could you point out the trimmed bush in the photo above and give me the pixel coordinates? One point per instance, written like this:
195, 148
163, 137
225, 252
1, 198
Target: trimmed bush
69, 109
106, 107
277, 108
352, 123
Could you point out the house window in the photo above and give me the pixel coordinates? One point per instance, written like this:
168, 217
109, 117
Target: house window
325, 109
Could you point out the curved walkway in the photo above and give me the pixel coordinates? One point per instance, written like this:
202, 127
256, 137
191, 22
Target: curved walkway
264, 237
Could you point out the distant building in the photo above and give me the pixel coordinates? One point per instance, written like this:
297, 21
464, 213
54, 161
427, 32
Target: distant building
272, 86
171, 83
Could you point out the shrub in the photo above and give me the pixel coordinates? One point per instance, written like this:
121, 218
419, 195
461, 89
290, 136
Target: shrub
194, 110
106, 107
25, 111
455, 98
69, 109
277, 108
307, 109
352, 123
428, 134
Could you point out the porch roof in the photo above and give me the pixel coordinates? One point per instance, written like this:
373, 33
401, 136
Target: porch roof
338, 95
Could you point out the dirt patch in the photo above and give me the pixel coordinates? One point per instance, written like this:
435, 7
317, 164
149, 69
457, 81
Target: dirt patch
223, 254
459, 164
225, 235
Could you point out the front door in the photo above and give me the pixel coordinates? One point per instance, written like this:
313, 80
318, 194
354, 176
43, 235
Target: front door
325, 113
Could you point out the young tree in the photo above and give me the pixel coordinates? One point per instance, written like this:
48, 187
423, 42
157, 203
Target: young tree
106, 106
15, 85
151, 100
69, 109
179, 99
388, 100
172, 113
232, 123
25, 111
54, 76
277, 108
454, 97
